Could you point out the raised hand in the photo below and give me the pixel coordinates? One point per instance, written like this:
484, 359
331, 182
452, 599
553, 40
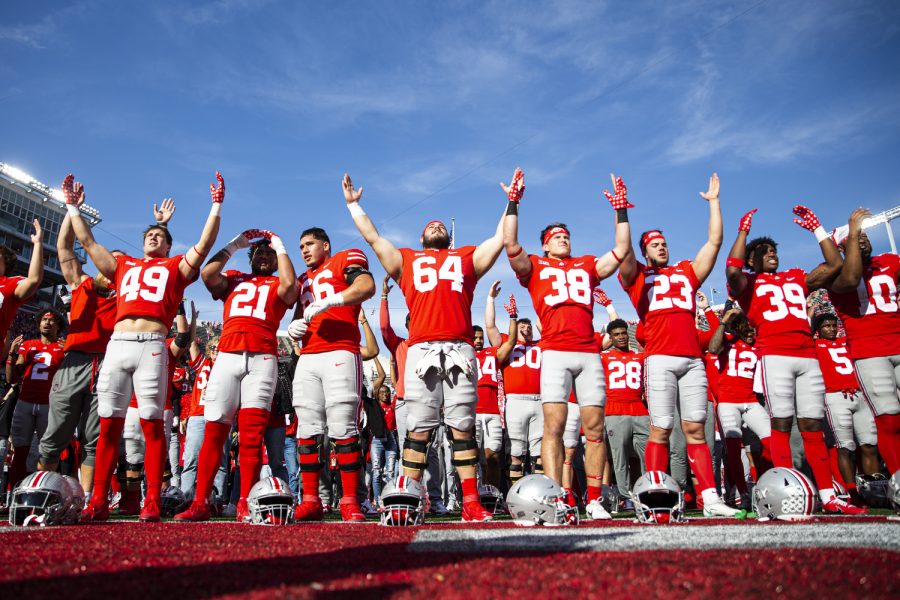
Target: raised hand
73, 191
702, 301
807, 218
37, 235
494, 290
511, 308
218, 192
194, 312
747, 221
386, 286
713, 192
297, 329
601, 298
856, 219
164, 212
620, 198
516, 188
14, 347
254, 234
351, 195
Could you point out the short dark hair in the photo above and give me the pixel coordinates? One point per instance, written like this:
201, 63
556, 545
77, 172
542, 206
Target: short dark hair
9, 259
755, 243
256, 246
821, 318
738, 321
523, 320
61, 321
641, 243
616, 324
162, 228
317, 232
477, 328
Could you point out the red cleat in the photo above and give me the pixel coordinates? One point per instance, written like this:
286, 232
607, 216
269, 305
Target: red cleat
95, 512
150, 512
198, 511
351, 512
130, 504
309, 510
838, 506
474, 512
242, 513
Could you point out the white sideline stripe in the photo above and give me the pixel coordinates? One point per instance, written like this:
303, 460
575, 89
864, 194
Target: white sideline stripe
653, 537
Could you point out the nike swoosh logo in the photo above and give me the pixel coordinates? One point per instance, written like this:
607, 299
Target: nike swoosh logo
691, 460
267, 358
339, 364
155, 353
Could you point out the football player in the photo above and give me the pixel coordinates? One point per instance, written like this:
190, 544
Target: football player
15, 290
438, 282
775, 303
561, 287
865, 297
245, 373
149, 290
328, 380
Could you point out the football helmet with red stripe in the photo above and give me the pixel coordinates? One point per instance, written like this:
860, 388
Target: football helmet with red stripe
784, 494
270, 502
538, 500
657, 498
403, 503
41, 499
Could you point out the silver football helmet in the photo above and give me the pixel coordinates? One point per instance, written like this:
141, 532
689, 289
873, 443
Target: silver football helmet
785, 494
538, 500
492, 499
172, 501
894, 490
657, 498
874, 489
76, 500
270, 502
42, 498
403, 503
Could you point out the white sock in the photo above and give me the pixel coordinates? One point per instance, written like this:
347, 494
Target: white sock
827, 495
710, 496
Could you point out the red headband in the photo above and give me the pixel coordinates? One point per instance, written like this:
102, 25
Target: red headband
430, 223
553, 232
650, 236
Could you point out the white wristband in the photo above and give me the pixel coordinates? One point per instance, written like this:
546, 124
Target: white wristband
610, 310
216, 209
230, 249
355, 210
820, 234
72, 210
277, 245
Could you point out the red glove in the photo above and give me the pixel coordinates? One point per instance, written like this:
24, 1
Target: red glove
601, 298
746, 221
511, 307
620, 199
218, 193
808, 219
517, 187
255, 234
72, 190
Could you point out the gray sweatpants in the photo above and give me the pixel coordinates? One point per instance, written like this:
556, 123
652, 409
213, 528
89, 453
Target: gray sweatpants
627, 436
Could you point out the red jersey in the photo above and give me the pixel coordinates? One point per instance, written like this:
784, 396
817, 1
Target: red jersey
711, 363
390, 417
487, 382
737, 367
149, 288
775, 304
9, 304
624, 382
523, 373
92, 319
41, 363
561, 293
180, 380
665, 299
438, 286
396, 345
870, 313
253, 311
200, 381
837, 368
336, 328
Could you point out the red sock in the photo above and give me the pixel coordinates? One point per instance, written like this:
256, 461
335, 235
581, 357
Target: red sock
733, 463
469, 489
18, 466
310, 478
107, 456
701, 465
115, 486
765, 459
154, 455
781, 449
817, 457
353, 462
214, 435
835, 466
252, 425
656, 456
888, 427
594, 492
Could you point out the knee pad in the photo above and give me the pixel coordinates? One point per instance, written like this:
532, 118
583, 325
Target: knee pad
417, 446
464, 445
309, 455
348, 450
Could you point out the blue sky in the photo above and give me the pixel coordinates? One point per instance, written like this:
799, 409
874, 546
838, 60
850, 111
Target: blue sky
428, 106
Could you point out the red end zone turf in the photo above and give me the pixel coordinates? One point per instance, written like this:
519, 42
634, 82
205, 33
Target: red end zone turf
224, 559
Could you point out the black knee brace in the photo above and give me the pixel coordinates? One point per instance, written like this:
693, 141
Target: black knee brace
464, 445
417, 446
310, 455
133, 467
351, 447
537, 465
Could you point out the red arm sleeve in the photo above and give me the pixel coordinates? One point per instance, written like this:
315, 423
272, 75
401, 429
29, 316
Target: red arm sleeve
391, 340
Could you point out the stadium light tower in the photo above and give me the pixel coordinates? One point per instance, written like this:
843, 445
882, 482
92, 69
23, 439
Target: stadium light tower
883, 217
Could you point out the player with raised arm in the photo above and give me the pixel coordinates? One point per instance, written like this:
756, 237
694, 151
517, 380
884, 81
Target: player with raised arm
149, 291
438, 283
328, 379
664, 296
775, 303
865, 297
245, 373
14, 289
561, 288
